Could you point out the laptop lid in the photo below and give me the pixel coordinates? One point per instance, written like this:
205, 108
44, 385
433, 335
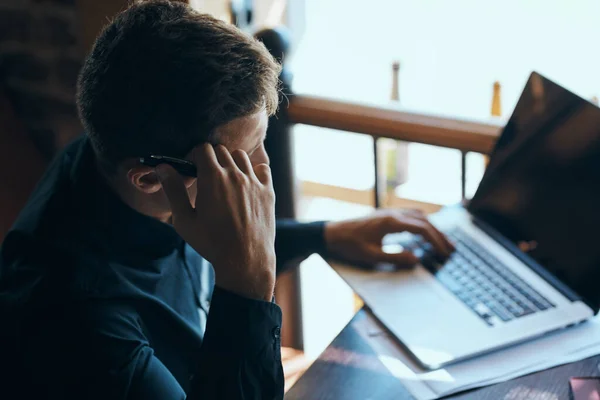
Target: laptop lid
541, 189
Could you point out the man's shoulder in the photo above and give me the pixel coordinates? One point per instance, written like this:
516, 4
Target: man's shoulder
49, 203
47, 243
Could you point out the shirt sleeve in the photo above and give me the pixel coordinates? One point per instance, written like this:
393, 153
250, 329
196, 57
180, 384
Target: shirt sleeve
295, 241
107, 349
241, 354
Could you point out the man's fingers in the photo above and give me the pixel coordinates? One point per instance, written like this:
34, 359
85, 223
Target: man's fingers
263, 173
417, 226
415, 213
449, 246
418, 214
205, 159
431, 234
224, 157
404, 259
242, 161
176, 192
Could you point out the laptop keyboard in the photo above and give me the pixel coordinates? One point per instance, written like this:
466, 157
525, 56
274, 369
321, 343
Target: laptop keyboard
480, 281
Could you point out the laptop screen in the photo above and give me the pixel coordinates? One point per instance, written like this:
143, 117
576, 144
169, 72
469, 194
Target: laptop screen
541, 189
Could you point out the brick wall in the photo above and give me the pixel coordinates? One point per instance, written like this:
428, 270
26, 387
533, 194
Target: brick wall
40, 57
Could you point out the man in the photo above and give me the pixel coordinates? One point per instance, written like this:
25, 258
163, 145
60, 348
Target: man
123, 281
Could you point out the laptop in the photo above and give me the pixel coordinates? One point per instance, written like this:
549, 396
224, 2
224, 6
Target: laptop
527, 258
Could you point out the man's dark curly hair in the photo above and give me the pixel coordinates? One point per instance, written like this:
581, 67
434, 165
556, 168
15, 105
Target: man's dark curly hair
161, 77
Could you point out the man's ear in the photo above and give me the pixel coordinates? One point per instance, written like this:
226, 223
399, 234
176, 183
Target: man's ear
144, 179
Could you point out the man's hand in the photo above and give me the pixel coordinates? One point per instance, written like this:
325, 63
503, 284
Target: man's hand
233, 222
360, 240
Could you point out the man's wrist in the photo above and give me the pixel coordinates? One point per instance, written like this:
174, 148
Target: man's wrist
257, 287
327, 226
330, 236
260, 294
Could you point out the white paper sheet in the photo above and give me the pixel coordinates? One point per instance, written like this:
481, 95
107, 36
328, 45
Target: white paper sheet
561, 347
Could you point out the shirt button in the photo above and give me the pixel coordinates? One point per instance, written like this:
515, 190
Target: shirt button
277, 343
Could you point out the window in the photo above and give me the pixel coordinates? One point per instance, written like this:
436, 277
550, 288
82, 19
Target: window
451, 52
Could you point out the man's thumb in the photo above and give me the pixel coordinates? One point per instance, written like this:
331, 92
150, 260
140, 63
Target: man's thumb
403, 259
175, 190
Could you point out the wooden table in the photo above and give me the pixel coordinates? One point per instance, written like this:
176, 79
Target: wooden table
350, 370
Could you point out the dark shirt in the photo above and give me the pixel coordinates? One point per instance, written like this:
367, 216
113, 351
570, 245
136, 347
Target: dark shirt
98, 301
